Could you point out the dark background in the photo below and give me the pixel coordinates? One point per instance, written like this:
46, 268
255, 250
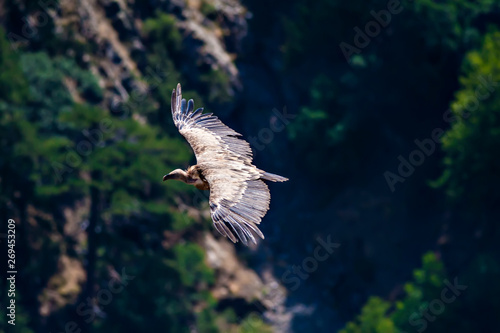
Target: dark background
385, 115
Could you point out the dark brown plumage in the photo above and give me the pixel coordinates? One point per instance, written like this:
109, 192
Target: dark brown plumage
239, 198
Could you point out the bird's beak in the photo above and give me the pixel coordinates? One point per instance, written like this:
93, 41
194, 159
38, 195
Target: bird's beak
170, 176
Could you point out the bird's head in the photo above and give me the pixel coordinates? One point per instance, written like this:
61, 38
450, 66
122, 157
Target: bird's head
176, 174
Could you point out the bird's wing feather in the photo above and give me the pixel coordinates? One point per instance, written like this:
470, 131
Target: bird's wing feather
238, 198
208, 136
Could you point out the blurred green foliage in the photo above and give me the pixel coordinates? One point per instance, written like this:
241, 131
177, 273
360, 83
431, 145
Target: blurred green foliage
365, 101
56, 152
471, 144
372, 318
397, 86
433, 302
328, 113
13, 85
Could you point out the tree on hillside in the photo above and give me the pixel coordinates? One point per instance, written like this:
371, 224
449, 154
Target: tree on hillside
472, 143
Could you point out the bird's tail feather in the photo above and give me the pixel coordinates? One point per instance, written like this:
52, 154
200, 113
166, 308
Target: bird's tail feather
272, 177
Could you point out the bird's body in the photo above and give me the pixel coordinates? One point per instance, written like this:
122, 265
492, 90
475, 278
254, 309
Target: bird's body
239, 198
195, 173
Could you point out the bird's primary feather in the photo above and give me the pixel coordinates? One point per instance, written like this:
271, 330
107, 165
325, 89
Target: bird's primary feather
239, 198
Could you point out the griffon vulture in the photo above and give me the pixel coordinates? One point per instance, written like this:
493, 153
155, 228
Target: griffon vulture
239, 198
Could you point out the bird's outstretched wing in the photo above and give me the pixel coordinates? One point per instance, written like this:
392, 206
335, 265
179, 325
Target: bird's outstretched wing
207, 135
239, 199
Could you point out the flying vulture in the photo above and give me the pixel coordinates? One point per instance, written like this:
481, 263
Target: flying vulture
239, 198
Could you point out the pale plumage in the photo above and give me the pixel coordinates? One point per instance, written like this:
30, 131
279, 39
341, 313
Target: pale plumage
239, 198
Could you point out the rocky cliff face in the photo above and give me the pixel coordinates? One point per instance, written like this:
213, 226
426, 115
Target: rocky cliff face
107, 37
212, 33
215, 35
